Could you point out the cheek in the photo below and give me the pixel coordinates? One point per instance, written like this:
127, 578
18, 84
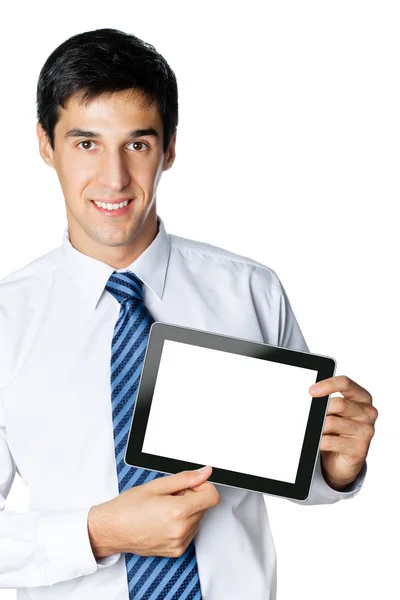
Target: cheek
74, 177
154, 175
145, 177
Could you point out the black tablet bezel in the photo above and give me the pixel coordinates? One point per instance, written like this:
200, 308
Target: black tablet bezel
160, 331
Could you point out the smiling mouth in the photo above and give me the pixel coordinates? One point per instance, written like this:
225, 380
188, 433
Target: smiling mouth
112, 205
113, 209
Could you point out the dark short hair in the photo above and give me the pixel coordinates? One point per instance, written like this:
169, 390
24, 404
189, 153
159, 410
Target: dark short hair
102, 62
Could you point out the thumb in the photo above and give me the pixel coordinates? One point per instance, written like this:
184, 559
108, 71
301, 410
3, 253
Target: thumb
183, 480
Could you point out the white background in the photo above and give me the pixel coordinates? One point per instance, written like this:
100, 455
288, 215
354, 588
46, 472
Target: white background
288, 153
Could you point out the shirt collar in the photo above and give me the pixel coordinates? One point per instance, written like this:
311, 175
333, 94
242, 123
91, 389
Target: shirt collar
92, 275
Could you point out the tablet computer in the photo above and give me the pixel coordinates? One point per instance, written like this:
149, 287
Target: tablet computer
240, 406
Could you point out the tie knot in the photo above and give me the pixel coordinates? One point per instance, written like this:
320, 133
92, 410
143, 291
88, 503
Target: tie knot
125, 286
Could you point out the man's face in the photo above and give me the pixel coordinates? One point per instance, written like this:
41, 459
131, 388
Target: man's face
114, 163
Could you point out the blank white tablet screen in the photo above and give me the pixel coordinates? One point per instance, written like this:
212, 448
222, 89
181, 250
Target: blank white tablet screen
230, 411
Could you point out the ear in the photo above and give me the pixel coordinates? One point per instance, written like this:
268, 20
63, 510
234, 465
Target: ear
170, 154
45, 149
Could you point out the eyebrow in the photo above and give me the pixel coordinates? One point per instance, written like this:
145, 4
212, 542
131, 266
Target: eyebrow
72, 133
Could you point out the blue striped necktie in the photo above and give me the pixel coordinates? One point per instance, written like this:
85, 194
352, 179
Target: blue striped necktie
149, 577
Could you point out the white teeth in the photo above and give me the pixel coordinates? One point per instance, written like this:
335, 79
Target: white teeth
110, 206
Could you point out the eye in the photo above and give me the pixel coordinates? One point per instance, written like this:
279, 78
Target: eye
85, 142
140, 143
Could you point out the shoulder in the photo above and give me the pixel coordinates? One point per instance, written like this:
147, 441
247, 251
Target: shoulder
20, 294
29, 277
243, 284
211, 257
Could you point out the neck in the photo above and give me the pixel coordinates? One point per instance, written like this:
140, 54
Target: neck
119, 255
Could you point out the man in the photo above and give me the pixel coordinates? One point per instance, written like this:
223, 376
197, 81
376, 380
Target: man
77, 319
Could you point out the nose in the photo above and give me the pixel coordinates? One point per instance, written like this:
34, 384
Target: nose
113, 171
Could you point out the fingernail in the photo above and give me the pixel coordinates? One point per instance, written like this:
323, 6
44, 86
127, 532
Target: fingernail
202, 468
315, 388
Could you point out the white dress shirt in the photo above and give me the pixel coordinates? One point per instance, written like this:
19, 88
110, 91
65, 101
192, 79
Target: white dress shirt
56, 429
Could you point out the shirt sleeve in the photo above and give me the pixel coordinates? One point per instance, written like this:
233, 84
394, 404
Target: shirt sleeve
38, 548
291, 336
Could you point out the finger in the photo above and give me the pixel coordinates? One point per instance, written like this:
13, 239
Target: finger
195, 488
198, 488
195, 502
201, 486
352, 409
343, 384
194, 525
344, 445
179, 481
184, 492
196, 518
342, 425
190, 536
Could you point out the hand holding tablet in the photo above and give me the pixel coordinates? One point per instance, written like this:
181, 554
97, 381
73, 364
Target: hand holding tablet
240, 406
